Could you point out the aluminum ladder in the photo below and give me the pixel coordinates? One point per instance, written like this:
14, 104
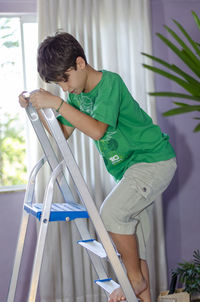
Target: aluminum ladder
69, 210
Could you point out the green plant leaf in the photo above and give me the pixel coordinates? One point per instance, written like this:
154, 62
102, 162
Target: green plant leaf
189, 53
182, 54
196, 254
181, 104
9, 44
174, 68
196, 19
182, 43
175, 95
193, 89
185, 75
181, 110
191, 41
194, 67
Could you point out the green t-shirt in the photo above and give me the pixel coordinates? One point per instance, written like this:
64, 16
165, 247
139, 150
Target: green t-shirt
131, 136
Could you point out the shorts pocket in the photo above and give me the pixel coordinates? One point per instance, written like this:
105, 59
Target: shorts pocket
144, 189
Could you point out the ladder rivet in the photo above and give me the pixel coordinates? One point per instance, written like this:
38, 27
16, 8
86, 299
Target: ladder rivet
67, 219
45, 220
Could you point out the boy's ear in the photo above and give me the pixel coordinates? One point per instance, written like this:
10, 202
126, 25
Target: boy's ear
80, 62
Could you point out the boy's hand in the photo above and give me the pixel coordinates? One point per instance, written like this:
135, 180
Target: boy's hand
40, 99
44, 99
22, 100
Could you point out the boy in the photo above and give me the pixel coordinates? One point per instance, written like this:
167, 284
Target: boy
135, 151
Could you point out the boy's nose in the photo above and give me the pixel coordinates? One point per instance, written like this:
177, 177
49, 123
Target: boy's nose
65, 87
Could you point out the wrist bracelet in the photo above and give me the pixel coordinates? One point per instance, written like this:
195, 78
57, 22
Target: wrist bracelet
62, 101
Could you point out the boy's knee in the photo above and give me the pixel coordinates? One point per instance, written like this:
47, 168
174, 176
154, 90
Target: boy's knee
104, 213
116, 222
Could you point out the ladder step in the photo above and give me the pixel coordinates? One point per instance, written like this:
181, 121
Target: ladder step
93, 246
107, 284
59, 211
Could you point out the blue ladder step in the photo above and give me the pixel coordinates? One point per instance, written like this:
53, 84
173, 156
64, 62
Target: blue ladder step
59, 211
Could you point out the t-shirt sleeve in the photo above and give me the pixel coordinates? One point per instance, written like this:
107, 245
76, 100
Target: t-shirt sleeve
107, 103
61, 119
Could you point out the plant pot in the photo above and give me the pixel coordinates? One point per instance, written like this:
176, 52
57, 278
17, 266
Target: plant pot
195, 298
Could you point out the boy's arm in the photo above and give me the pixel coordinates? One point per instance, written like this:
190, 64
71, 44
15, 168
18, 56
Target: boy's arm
85, 123
67, 131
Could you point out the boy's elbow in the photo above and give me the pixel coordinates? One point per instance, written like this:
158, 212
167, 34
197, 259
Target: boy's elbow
97, 137
100, 131
98, 134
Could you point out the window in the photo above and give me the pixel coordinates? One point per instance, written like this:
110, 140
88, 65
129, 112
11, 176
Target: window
18, 46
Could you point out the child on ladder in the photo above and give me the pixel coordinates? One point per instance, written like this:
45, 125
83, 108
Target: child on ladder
135, 151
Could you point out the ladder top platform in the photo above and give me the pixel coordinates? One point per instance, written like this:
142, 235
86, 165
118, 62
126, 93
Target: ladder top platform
59, 211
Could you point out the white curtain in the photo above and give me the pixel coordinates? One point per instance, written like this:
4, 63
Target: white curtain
113, 34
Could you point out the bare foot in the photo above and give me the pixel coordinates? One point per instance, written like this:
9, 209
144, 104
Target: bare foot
138, 285
117, 295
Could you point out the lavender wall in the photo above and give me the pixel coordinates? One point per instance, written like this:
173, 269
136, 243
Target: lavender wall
182, 199
11, 212
18, 6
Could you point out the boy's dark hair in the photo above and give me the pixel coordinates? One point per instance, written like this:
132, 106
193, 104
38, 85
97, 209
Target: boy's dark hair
56, 54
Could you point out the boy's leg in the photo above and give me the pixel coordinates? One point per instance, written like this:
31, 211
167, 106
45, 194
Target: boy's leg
128, 249
137, 269
145, 296
129, 199
125, 241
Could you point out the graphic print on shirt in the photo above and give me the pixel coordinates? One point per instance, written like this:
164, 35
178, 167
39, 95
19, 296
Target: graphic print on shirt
108, 145
86, 104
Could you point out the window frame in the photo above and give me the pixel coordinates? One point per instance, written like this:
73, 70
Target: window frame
24, 18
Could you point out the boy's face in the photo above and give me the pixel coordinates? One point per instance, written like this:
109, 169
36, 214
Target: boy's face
76, 79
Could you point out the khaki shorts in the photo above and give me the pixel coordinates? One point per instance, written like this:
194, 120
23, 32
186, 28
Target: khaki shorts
125, 210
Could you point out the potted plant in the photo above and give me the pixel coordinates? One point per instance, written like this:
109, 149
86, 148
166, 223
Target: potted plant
188, 51
188, 274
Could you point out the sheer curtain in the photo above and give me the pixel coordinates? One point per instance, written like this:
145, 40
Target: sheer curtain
113, 34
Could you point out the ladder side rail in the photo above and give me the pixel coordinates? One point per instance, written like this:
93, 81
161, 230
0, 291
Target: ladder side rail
18, 257
44, 222
48, 150
23, 228
88, 202
28, 199
97, 263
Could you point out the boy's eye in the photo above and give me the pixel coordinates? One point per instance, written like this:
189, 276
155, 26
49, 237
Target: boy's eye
66, 78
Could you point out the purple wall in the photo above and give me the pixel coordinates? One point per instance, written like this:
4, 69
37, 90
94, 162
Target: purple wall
182, 199
18, 6
11, 212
